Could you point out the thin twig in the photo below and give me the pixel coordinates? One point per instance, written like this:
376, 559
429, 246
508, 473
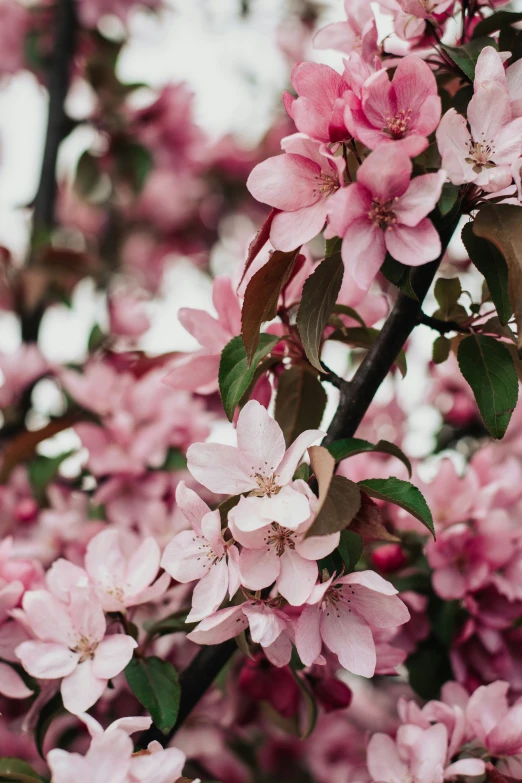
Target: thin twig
440, 326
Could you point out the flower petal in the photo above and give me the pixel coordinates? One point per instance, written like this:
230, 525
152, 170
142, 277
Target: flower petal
112, 655
414, 246
350, 638
259, 439
81, 689
46, 660
221, 469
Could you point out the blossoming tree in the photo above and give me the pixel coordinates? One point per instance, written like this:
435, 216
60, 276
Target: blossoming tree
305, 602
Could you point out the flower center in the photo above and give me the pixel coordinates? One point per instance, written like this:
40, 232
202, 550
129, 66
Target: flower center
326, 184
85, 648
206, 552
382, 214
280, 538
267, 485
335, 596
398, 126
480, 154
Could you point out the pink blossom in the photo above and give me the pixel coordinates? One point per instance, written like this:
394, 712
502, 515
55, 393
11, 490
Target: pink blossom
458, 560
71, 643
198, 371
385, 211
357, 34
496, 725
123, 573
127, 316
484, 153
318, 110
18, 370
14, 26
340, 614
417, 756
274, 553
403, 112
260, 465
269, 627
201, 554
299, 183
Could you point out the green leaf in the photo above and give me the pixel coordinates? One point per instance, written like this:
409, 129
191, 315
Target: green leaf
174, 623
176, 460
429, 668
348, 447
234, 373
87, 174
447, 292
501, 225
466, 56
340, 309
47, 714
332, 246
441, 349
492, 265
17, 771
400, 275
300, 402
448, 198
496, 22
155, 684
350, 548
320, 292
340, 506
359, 337
96, 338
262, 295
488, 367
42, 470
403, 494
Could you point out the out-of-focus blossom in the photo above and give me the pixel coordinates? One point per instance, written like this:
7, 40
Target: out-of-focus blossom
127, 316
357, 34
18, 370
14, 26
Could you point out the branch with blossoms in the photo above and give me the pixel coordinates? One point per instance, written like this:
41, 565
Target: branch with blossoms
150, 568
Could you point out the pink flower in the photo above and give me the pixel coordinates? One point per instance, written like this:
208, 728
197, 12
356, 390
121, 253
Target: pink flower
269, 627
497, 726
299, 183
358, 33
201, 554
18, 370
403, 112
340, 613
416, 756
260, 465
274, 553
71, 643
122, 573
484, 153
127, 317
14, 26
318, 111
385, 211
199, 371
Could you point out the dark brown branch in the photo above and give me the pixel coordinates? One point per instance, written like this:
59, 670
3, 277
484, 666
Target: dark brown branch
356, 396
442, 327
58, 126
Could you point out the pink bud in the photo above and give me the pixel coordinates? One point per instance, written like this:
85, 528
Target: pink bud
26, 510
388, 558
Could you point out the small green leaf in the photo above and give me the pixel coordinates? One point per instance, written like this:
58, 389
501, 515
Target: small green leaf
400, 275
466, 56
42, 470
403, 494
302, 472
492, 265
174, 623
234, 373
348, 447
340, 309
17, 771
441, 349
448, 198
96, 338
359, 337
320, 293
176, 460
87, 174
300, 402
447, 292
155, 684
488, 367
332, 246
350, 548
340, 506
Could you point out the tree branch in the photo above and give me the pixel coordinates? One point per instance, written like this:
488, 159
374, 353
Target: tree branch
58, 126
356, 396
440, 326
